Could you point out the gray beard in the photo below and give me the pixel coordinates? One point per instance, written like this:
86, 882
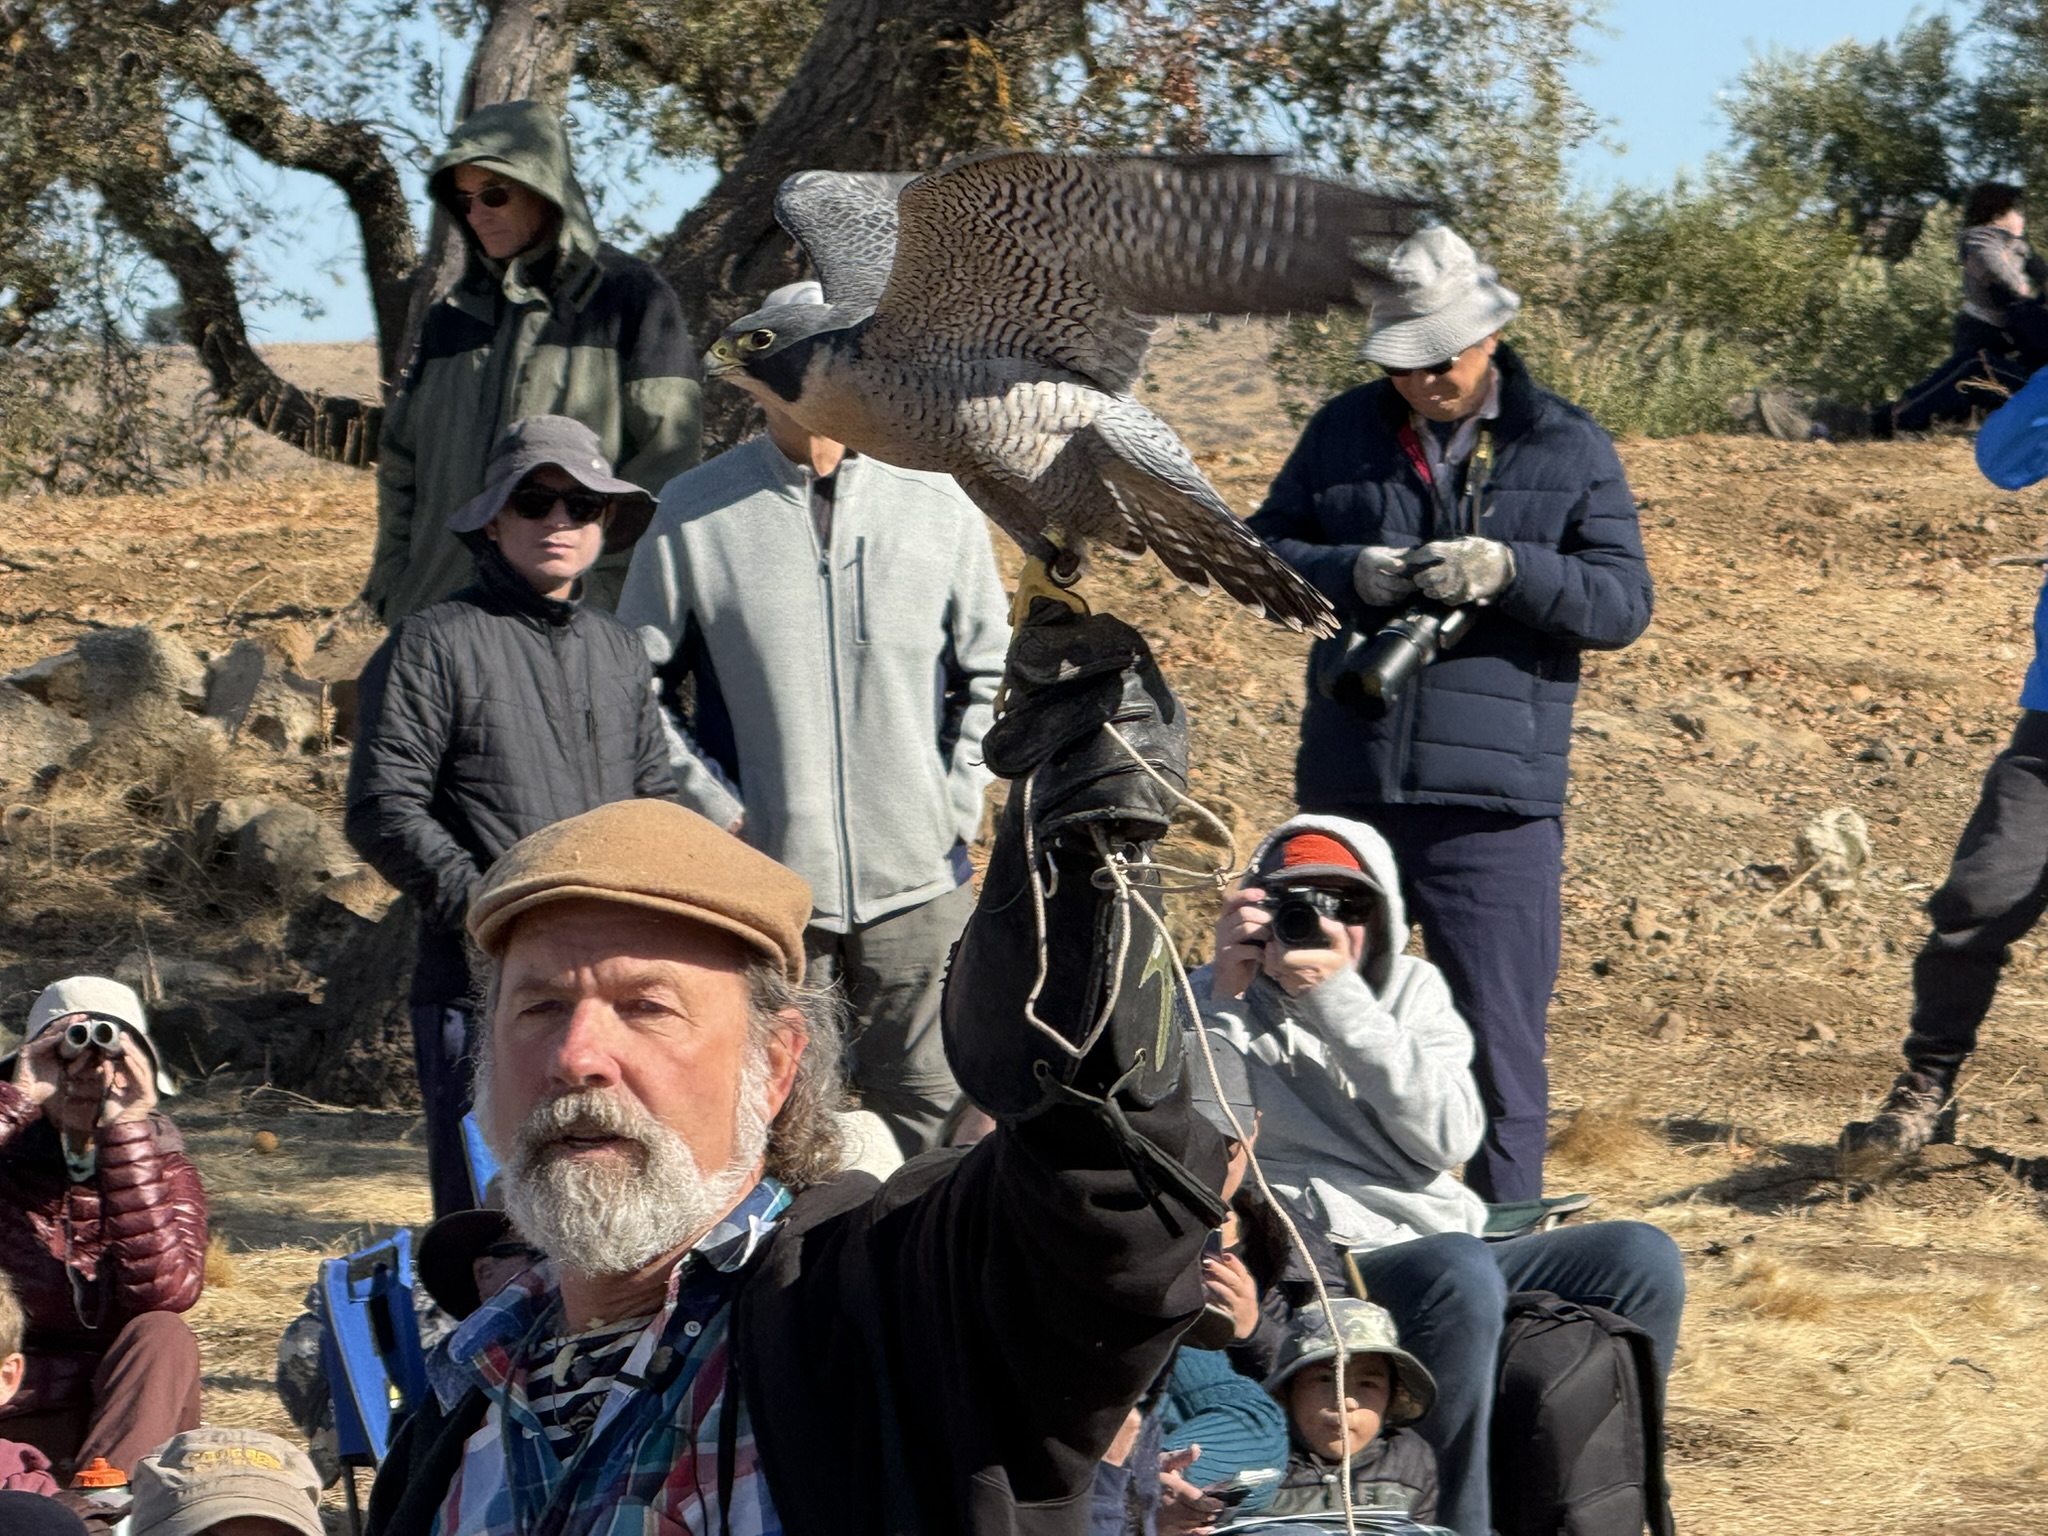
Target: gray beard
618, 1215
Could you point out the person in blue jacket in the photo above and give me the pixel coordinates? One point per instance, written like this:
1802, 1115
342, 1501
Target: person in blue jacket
1997, 886
1458, 482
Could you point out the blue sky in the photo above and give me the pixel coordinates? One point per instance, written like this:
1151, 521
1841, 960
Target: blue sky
1655, 76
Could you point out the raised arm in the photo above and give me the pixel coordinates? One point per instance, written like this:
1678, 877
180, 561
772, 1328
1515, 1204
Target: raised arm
1056, 1264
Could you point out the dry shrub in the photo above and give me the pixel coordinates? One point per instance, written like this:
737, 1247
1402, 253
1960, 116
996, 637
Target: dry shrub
221, 1268
163, 769
1776, 1290
1605, 1136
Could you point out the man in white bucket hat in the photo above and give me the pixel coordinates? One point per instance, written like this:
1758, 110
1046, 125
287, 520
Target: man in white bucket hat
1488, 522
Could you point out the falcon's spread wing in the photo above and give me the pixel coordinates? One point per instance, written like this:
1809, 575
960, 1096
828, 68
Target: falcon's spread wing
846, 223
1063, 258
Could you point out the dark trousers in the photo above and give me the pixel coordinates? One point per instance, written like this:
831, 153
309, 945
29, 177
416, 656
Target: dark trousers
1983, 355
892, 972
145, 1389
442, 1041
1483, 887
1449, 1296
1997, 889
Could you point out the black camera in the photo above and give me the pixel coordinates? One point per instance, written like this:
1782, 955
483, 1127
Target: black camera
1298, 913
1372, 669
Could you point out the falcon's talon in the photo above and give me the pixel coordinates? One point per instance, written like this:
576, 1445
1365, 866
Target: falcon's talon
1034, 581
1038, 579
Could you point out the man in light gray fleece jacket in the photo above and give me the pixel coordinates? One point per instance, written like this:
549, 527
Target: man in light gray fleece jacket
1360, 1068
844, 631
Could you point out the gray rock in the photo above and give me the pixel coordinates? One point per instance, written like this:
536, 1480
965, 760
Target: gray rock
256, 696
128, 673
58, 681
34, 739
271, 844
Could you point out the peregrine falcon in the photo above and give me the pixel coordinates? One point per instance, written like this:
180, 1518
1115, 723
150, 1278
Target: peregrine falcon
989, 321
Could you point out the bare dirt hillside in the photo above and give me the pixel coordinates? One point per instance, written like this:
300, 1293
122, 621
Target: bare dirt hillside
1830, 633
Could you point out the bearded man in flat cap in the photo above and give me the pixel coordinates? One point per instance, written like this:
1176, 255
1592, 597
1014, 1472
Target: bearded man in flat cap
732, 1335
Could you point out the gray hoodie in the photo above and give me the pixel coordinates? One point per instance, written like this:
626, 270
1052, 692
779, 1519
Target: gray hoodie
858, 679
1364, 1084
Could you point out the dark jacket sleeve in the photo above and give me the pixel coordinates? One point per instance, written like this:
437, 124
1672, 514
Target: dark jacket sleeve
1286, 519
662, 404
425, 1455
408, 719
155, 1212
1593, 586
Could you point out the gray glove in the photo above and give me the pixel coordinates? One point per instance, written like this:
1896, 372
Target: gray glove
1381, 576
1464, 570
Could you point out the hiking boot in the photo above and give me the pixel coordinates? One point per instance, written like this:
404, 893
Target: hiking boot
1837, 422
1917, 1111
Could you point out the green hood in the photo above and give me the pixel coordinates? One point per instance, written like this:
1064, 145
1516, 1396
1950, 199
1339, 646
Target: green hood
525, 142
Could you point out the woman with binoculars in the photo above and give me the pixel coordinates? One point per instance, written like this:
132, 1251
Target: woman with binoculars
102, 1232
1475, 533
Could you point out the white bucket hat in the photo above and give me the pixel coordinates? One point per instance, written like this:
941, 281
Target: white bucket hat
1445, 299
97, 997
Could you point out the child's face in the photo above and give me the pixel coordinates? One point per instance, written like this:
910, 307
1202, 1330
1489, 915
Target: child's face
1312, 1404
11, 1368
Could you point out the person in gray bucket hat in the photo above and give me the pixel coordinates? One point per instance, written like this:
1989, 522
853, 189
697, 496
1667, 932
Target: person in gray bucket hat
496, 712
1477, 536
1386, 1390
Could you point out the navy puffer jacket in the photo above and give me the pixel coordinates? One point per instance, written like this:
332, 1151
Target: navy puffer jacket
1489, 725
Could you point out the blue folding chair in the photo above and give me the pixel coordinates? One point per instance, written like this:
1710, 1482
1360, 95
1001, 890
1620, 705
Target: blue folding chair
370, 1345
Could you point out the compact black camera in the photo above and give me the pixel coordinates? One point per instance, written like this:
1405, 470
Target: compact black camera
1372, 669
1298, 913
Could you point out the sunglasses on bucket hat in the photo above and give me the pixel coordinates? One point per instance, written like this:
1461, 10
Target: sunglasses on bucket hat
534, 501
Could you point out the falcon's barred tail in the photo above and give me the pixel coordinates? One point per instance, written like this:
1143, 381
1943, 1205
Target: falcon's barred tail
1205, 545
1182, 520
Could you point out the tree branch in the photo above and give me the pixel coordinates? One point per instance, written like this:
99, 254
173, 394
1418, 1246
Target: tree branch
349, 154
141, 194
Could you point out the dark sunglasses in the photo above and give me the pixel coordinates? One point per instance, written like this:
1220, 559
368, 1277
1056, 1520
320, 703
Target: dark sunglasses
1437, 368
495, 196
534, 502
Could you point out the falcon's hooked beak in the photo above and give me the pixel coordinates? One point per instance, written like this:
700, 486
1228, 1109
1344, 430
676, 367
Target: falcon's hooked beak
727, 352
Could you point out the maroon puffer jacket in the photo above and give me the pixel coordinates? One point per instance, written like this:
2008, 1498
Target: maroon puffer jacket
137, 1239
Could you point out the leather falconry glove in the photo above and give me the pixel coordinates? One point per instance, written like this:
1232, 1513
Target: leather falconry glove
1084, 945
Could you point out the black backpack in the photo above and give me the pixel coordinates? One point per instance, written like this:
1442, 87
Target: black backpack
1578, 1424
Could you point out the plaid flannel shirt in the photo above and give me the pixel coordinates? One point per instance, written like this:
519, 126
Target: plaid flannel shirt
649, 1465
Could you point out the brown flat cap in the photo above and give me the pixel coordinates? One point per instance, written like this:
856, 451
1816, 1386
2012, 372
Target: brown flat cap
652, 854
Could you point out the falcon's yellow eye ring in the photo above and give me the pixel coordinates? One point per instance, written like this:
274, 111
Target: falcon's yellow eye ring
757, 341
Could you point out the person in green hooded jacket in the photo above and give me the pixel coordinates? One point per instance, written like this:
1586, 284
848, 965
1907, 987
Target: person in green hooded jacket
546, 320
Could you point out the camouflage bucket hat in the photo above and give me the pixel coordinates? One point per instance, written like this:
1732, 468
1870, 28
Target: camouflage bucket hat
1368, 1329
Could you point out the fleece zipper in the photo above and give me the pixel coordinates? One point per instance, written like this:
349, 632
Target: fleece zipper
828, 588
